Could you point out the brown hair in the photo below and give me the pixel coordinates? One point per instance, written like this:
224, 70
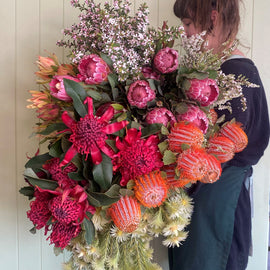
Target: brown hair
199, 11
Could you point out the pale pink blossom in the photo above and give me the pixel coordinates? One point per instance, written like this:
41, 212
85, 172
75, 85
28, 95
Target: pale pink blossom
93, 69
139, 93
196, 116
204, 91
166, 60
160, 115
58, 89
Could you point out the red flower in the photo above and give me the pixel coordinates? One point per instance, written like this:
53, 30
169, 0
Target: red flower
62, 234
214, 170
60, 174
136, 156
89, 134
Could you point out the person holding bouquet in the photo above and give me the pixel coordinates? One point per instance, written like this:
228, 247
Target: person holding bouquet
220, 230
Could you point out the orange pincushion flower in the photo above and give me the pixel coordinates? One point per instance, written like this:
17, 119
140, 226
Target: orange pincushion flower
172, 181
222, 147
192, 164
213, 116
184, 133
150, 189
126, 214
214, 170
234, 132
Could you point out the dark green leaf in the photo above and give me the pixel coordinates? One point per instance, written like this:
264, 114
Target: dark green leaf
212, 74
94, 94
53, 127
37, 161
115, 93
107, 59
78, 95
89, 230
65, 144
77, 176
196, 75
33, 230
28, 191
103, 172
186, 85
56, 149
126, 192
111, 143
181, 108
151, 129
151, 84
113, 80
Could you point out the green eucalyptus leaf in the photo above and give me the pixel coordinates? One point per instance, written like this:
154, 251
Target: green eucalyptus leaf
102, 172
56, 149
181, 108
186, 85
196, 75
111, 143
107, 59
37, 161
89, 230
28, 191
169, 157
77, 176
78, 95
151, 129
212, 74
94, 94
53, 127
115, 93
113, 80
151, 84
126, 192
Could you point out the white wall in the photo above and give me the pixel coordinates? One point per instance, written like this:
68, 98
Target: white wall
28, 28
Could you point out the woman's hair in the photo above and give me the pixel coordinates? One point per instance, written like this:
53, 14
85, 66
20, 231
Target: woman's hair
199, 11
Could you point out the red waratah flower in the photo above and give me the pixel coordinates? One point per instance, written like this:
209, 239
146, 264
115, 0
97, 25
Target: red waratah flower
62, 234
160, 115
89, 134
58, 89
234, 132
126, 214
59, 173
221, 147
149, 73
196, 116
192, 164
136, 156
204, 91
139, 93
184, 133
166, 60
93, 69
172, 180
214, 170
150, 189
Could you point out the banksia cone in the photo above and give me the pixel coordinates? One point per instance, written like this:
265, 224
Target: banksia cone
234, 132
192, 164
214, 170
213, 116
126, 214
150, 189
172, 181
184, 133
222, 147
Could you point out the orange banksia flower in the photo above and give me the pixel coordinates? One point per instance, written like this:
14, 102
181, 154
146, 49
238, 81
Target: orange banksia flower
150, 189
192, 164
214, 169
126, 214
234, 132
213, 116
222, 147
172, 180
184, 133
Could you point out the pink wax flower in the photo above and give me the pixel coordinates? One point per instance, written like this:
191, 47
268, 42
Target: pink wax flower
93, 69
160, 115
139, 93
58, 89
166, 60
149, 73
195, 116
204, 91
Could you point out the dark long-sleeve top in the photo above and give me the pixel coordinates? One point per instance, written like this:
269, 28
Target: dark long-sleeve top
255, 118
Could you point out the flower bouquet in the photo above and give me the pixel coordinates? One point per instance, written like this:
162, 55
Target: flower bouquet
130, 126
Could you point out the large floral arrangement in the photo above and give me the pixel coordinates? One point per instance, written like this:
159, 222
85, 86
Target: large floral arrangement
130, 125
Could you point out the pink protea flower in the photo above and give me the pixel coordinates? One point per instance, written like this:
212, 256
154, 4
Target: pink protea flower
166, 60
149, 73
196, 116
58, 89
60, 174
93, 69
136, 156
204, 91
160, 115
89, 134
139, 93
62, 234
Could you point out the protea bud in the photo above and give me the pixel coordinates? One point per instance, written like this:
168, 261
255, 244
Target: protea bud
222, 147
234, 132
184, 133
160, 115
150, 189
126, 214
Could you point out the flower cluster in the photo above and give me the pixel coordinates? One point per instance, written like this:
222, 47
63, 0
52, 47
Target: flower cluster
130, 125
